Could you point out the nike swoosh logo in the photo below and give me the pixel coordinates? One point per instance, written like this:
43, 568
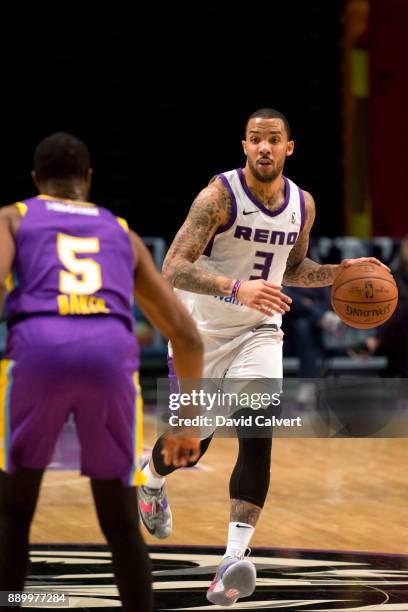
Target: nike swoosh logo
249, 212
242, 526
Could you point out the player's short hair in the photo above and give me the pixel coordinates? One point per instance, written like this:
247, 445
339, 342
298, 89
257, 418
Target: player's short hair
269, 113
61, 156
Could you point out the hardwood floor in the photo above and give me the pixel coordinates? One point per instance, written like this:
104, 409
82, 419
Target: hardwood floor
340, 494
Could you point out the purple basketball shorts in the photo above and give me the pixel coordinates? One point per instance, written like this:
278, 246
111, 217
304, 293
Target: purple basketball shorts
56, 366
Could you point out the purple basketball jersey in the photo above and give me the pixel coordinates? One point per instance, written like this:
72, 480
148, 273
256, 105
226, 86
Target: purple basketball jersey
71, 349
71, 259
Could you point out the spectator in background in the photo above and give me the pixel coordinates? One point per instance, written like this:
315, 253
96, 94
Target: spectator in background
401, 273
310, 315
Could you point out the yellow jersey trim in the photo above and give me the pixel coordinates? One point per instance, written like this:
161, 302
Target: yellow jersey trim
123, 223
22, 208
44, 196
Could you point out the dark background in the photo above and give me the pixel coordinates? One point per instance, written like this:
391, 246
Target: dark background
162, 116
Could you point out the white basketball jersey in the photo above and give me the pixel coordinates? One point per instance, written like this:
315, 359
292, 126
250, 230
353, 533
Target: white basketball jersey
255, 243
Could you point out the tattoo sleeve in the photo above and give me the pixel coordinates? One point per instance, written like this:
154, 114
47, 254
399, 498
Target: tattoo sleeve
310, 274
210, 210
300, 270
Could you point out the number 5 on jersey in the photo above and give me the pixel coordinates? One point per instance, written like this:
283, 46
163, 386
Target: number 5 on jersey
84, 275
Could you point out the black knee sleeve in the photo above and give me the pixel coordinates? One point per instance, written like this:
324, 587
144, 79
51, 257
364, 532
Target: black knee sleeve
251, 475
165, 470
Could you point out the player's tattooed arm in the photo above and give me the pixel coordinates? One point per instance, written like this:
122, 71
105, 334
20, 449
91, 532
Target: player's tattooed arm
300, 270
210, 210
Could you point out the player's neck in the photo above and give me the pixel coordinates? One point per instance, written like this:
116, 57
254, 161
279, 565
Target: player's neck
65, 191
270, 194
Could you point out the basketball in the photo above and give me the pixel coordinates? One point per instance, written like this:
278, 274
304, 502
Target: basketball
364, 295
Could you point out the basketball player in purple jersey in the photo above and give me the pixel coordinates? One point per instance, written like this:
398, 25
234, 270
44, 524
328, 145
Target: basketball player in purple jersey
71, 270
246, 234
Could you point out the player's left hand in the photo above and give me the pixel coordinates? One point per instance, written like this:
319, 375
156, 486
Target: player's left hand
180, 451
346, 263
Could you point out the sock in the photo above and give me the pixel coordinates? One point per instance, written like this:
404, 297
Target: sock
239, 535
152, 481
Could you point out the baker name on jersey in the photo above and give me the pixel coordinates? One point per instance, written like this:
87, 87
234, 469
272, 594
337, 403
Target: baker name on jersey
264, 235
73, 304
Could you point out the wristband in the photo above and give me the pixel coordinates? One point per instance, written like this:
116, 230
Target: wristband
235, 288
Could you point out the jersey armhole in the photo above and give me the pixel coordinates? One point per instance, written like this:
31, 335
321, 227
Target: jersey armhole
233, 215
302, 209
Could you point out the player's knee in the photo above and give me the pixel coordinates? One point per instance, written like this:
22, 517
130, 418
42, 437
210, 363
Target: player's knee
255, 454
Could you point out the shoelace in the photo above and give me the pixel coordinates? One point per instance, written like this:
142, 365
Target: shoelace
156, 506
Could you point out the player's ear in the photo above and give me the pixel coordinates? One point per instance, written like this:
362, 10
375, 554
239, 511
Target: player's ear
244, 146
35, 181
290, 147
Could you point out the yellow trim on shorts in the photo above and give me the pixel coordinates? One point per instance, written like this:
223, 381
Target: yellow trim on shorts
5, 387
138, 477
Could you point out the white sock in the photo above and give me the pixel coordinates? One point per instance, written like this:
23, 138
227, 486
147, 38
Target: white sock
152, 481
239, 536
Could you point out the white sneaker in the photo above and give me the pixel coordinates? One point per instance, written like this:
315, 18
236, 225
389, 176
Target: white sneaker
155, 511
235, 578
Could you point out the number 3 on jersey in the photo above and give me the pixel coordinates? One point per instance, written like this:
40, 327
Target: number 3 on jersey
263, 267
84, 275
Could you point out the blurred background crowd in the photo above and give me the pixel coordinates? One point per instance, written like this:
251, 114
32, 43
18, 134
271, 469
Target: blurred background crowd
164, 114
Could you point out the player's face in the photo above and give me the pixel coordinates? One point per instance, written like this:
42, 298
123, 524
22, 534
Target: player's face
266, 147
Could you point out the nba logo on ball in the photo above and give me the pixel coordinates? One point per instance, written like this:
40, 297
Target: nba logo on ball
364, 295
369, 293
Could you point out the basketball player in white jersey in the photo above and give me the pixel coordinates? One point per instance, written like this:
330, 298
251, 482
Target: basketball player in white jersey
245, 236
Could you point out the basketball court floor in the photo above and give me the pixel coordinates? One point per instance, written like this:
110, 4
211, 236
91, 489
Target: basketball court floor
333, 534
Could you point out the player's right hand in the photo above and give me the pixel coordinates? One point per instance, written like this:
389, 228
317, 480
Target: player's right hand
180, 451
263, 296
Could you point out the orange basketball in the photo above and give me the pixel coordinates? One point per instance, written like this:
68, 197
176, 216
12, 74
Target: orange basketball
364, 295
